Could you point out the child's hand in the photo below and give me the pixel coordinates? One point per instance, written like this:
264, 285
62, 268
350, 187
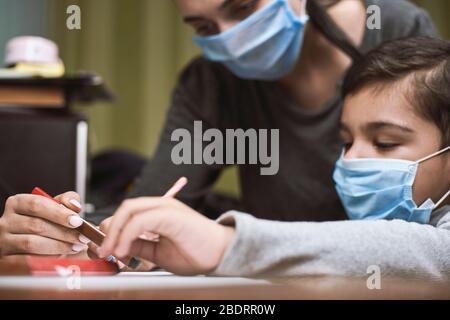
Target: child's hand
188, 242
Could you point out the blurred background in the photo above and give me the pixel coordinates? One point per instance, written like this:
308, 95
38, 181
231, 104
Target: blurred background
138, 47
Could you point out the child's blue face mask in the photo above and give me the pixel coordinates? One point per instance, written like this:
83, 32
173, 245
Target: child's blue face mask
265, 46
382, 189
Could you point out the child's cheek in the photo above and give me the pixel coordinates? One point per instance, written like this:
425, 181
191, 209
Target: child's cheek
431, 181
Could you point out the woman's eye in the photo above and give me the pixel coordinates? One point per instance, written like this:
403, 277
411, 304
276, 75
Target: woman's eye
201, 31
244, 9
205, 30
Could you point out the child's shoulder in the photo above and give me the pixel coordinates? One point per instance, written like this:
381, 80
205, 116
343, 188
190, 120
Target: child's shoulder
441, 218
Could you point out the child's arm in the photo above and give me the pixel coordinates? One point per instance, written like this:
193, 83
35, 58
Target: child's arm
348, 248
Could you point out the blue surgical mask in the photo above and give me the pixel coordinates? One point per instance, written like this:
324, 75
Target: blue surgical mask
382, 189
264, 46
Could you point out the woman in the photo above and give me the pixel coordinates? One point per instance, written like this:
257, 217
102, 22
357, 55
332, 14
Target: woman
393, 178
298, 94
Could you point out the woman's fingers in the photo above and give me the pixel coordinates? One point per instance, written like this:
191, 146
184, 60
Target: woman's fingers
41, 207
70, 200
19, 224
125, 211
34, 244
40, 225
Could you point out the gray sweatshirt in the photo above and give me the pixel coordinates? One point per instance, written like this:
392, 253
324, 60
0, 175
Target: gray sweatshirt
264, 248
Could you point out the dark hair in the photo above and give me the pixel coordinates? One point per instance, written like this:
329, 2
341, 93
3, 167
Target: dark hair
422, 61
322, 21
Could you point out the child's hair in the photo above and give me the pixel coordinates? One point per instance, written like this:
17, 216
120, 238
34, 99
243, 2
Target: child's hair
423, 62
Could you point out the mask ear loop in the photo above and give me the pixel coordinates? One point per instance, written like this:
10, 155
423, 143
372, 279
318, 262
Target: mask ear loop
434, 155
438, 204
442, 200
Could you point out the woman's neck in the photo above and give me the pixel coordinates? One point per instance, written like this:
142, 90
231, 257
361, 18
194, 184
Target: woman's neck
321, 63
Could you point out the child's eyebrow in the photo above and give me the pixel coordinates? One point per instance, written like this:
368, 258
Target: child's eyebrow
380, 125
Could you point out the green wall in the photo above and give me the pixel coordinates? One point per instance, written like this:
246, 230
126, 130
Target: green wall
440, 12
21, 17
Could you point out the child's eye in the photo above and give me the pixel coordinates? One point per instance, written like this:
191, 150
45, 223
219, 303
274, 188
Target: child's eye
249, 5
386, 145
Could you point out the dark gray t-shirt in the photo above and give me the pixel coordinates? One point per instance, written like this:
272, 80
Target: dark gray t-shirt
303, 189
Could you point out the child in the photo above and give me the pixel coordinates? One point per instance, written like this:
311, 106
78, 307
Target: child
396, 112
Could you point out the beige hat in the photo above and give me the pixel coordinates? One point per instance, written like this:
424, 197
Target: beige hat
28, 49
32, 57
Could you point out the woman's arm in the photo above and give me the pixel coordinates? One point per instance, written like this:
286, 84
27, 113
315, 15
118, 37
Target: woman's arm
347, 248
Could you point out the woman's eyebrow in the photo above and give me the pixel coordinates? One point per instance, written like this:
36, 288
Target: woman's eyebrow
223, 6
380, 125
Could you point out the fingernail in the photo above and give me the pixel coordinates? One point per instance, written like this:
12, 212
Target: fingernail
75, 221
83, 239
75, 203
78, 247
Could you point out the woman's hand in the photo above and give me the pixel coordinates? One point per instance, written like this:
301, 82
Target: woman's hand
188, 242
35, 225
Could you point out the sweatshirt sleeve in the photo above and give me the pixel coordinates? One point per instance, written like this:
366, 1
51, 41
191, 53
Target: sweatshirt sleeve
264, 248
